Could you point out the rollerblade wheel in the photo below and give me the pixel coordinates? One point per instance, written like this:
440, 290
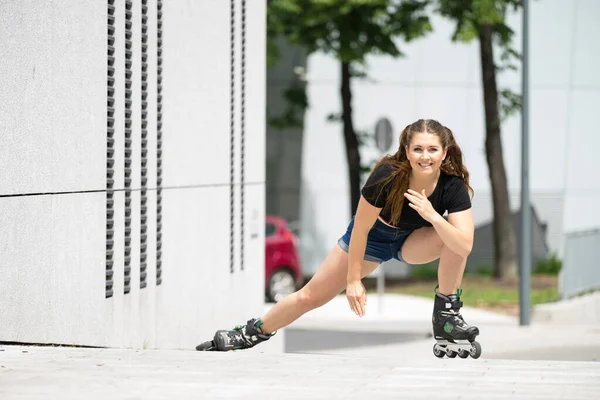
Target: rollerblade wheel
450, 353
438, 351
206, 346
475, 350
463, 353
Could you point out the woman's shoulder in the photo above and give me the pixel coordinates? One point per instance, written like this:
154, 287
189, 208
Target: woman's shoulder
452, 182
383, 169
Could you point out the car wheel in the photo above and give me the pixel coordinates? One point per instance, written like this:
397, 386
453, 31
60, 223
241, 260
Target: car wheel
281, 284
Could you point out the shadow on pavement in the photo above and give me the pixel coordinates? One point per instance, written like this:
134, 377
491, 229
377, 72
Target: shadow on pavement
308, 340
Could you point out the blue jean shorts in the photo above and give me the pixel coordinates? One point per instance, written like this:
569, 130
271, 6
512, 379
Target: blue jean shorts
383, 242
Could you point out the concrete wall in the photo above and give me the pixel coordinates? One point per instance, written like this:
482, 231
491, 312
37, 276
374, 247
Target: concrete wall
442, 80
53, 158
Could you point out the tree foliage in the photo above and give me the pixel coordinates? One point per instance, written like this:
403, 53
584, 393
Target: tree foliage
348, 29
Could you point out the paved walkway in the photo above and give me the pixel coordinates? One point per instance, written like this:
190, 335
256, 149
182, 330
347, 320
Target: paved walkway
72, 373
517, 363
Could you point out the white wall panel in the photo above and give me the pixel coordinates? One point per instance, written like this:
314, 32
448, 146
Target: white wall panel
195, 264
52, 96
548, 139
582, 169
196, 93
553, 28
587, 56
52, 265
581, 161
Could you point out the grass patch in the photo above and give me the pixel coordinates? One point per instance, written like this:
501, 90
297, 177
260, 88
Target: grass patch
484, 291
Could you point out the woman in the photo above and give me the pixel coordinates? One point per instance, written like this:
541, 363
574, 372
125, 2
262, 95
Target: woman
399, 215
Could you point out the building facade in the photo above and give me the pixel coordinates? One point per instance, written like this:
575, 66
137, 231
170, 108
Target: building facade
132, 147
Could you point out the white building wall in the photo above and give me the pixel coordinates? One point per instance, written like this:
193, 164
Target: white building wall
53, 158
442, 80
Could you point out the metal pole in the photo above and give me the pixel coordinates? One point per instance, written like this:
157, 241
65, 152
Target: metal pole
525, 220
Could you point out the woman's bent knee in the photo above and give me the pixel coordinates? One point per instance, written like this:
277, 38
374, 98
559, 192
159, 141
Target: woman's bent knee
308, 300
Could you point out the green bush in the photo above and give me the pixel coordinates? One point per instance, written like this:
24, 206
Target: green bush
551, 265
425, 271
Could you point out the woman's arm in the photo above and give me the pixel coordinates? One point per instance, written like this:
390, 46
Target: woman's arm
456, 233
366, 215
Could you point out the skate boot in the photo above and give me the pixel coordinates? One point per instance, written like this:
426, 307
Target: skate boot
240, 337
452, 334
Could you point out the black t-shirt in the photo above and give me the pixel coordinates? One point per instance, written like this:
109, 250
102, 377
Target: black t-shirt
450, 194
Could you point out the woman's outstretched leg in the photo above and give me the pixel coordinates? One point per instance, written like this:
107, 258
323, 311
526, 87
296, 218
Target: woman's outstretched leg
327, 283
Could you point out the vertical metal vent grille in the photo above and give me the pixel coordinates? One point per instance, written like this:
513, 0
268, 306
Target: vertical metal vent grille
159, 49
128, 144
110, 148
243, 134
231, 141
144, 162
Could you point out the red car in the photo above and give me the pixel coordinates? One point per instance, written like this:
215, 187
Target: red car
283, 274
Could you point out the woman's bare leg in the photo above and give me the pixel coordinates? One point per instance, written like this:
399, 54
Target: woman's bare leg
422, 246
328, 282
450, 271
425, 245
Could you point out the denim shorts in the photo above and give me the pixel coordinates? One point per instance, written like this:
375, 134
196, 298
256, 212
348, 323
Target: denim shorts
383, 242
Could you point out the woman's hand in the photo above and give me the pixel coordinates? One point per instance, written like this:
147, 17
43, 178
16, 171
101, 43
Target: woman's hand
357, 297
419, 202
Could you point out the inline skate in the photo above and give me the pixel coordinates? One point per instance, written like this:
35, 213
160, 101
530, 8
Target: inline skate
240, 337
452, 334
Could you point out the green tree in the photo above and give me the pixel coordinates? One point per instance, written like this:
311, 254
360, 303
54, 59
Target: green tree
486, 20
350, 30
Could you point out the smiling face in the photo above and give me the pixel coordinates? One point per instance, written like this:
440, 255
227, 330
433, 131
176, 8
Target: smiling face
425, 153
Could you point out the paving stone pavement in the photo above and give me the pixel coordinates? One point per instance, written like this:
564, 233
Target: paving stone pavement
77, 373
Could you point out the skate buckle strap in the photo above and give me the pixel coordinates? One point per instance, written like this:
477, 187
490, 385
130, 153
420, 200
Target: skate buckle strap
456, 305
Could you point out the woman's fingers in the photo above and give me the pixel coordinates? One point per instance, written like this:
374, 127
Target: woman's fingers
351, 303
357, 297
357, 304
412, 201
416, 194
361, 306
